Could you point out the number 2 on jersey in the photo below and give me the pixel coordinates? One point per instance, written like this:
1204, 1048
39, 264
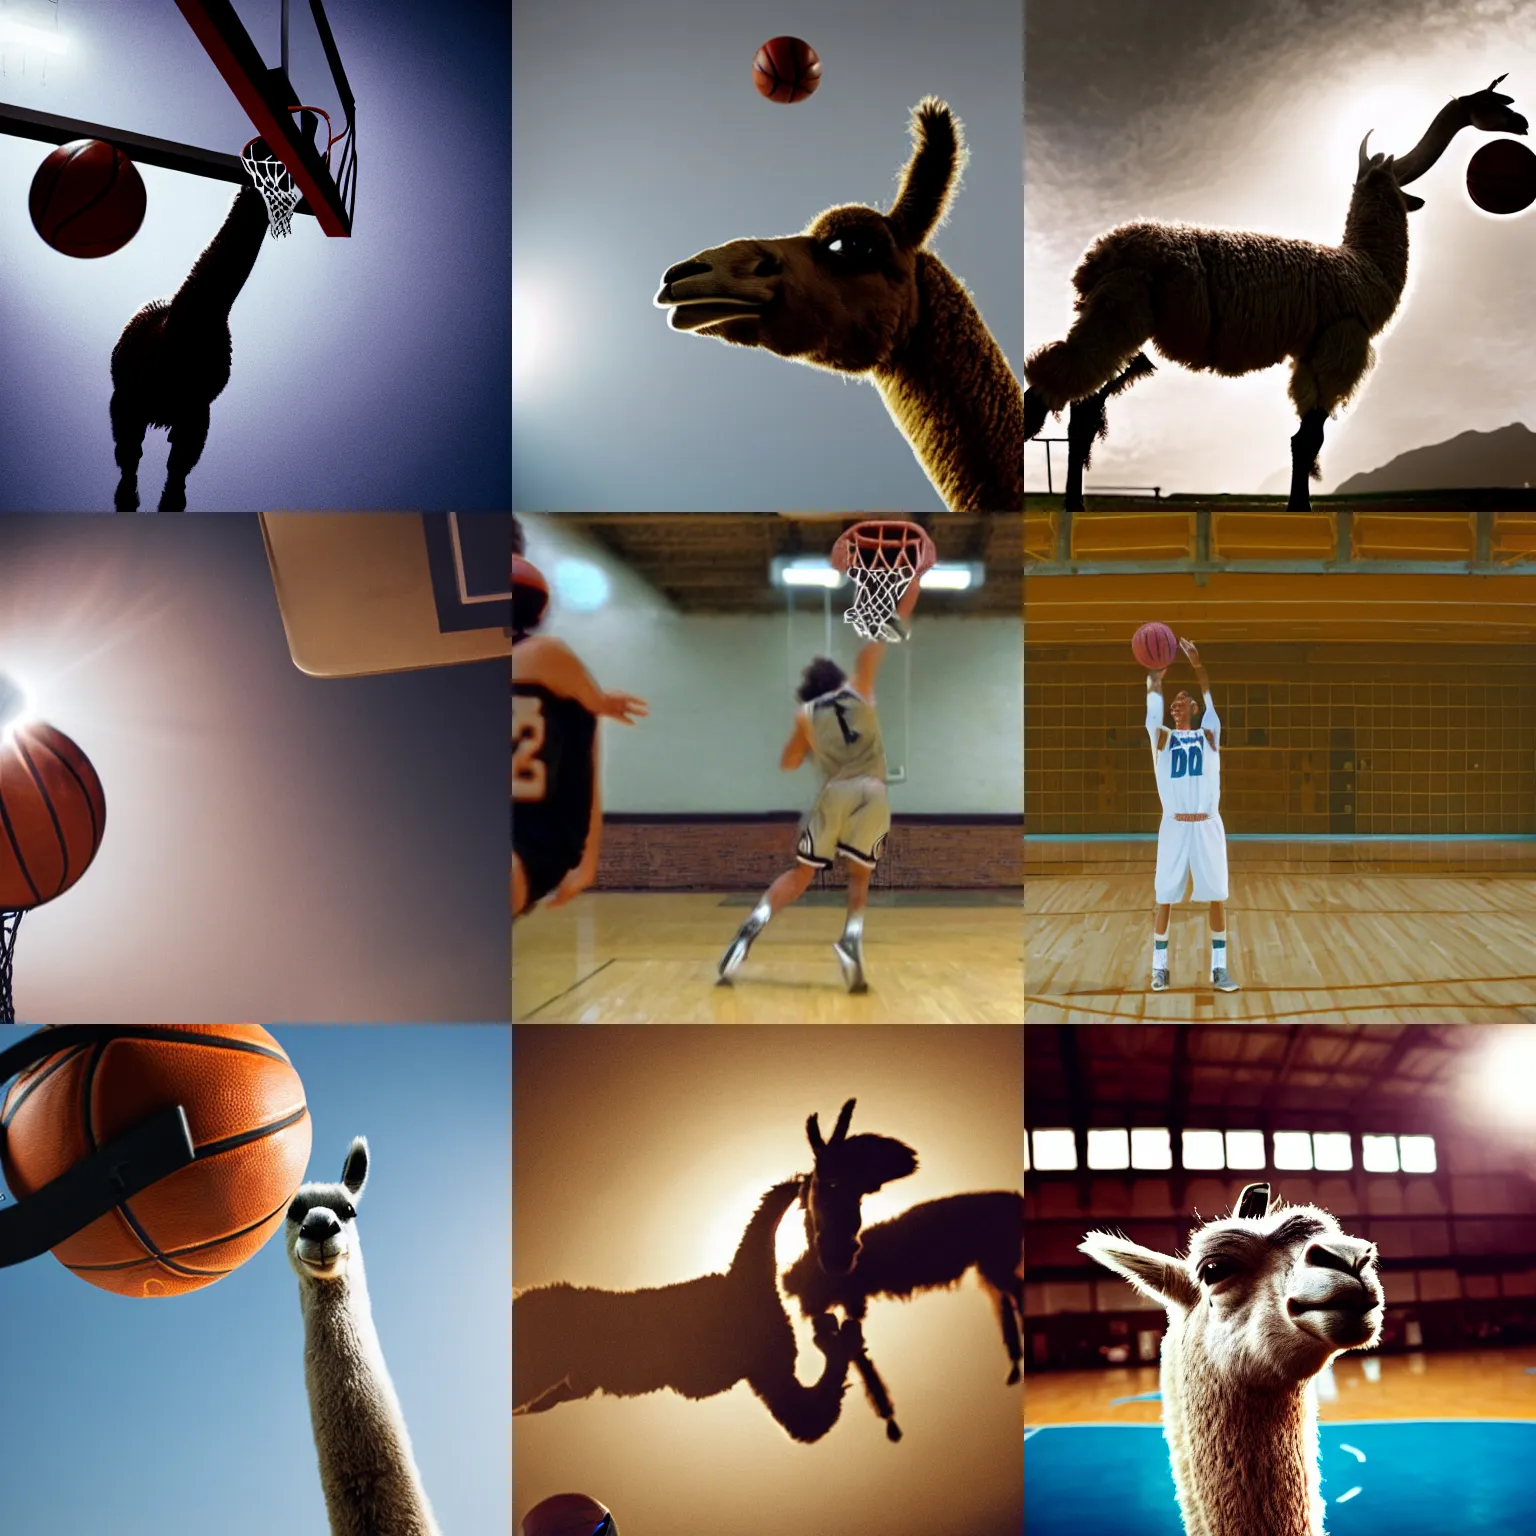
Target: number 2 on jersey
529, 772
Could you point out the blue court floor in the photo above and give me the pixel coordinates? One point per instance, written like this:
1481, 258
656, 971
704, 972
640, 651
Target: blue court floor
1387, 1477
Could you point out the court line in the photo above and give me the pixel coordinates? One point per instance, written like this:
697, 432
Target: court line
1354, 986
1303, 1014
549, 1001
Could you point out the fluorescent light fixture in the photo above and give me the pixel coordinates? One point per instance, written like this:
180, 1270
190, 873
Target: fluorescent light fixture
952, 578
31, 37
580, 585
1151, 1147
804, 571
1109, 1149
1055, 1151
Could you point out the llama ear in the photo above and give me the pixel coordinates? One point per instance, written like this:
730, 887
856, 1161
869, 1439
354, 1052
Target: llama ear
1254, 1203
813, 1135
1156, 1275
355, 1172
840, 1130
932, 174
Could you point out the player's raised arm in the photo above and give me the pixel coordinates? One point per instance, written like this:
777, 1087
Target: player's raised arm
1155, 706
867, 663
554, 664
798, 745
1210, 722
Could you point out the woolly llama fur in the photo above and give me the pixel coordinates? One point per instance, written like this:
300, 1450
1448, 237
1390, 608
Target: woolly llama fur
858, 292
1232, 302
1264, 1301
367, 1468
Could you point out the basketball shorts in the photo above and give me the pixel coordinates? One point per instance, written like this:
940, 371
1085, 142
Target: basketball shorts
547, 852
851, 817
1191, 848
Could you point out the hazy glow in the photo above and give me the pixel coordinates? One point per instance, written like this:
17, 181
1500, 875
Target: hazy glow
1293, 1150
1505, 1073
527, 334
17, 705
581, 585
31, 37
1378, 1154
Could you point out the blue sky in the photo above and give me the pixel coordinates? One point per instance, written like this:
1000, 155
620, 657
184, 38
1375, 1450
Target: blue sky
154, 1418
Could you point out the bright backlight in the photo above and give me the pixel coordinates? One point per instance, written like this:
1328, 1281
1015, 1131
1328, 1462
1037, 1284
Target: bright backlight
31, 37
1505, 1074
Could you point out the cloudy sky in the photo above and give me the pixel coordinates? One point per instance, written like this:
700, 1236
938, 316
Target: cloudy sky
631, 156
1249, 117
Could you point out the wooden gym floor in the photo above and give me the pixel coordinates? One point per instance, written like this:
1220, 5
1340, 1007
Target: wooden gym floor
1368, 933
650, 958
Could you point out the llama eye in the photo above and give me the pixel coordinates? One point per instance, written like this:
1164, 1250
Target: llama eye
1214, 1271
850, 245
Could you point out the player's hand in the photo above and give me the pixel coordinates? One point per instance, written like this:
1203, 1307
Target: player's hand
575, 882
624, 707
1188, 647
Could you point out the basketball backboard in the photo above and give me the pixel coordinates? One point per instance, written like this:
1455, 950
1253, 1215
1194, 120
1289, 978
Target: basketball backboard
273, 56
370, 592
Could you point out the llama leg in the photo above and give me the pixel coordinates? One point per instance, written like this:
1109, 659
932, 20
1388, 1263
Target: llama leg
1323, 379
874, 1387
1007, 1315
188, 434
1305, 446
1085, 424
809, 1412
1114, 321
127, 448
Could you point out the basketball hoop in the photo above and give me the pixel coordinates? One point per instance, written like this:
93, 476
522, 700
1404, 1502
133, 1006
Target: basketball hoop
272, 178
883, 559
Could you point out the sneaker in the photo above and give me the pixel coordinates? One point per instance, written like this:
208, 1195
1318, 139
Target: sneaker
851, 958
1159, 981
730, 961
1221, 979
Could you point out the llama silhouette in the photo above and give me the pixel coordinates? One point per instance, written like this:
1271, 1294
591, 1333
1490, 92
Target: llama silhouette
698, 1337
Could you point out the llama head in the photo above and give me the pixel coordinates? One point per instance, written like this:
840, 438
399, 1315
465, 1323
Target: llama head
842, 294
1270, 1293
320, 1230
1376, 177
847, 1168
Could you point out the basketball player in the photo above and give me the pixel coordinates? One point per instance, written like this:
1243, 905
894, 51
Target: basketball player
1191, 842
835, 725
557, 816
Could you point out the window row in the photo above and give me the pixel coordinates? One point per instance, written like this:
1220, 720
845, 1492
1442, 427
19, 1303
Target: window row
1054, 1150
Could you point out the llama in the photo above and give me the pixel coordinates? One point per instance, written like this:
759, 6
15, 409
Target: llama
858, 292
698, 1337
928, 1247
847, 1168
1231, 302
367, 1468
1264, 1301
173, 359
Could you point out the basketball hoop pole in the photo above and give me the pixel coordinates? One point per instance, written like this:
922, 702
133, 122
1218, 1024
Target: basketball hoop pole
125, 1167
286, 75
10, 922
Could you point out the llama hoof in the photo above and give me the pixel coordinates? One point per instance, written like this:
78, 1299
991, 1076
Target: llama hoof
892, 1431
126, 501
1035, 412
852, 1333
170, 503
1013, 1375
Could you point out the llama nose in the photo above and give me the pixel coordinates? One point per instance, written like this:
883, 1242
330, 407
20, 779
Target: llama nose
683, 269
1347, 1261
319, 1224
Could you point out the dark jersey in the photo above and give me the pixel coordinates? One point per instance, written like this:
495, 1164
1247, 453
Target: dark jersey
551, 783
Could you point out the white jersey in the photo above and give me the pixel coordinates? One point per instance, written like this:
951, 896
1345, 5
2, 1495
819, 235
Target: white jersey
1188, 766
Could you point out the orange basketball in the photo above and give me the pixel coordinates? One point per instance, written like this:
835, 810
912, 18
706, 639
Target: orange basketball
786, 69
1501, 177
52, 815
569, 1514
250, 1127
87, 199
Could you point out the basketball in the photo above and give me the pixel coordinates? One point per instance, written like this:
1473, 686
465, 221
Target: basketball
569, 1514
87, 199
1501, 177
1156, 646
245, 1108
786, 70
52, 814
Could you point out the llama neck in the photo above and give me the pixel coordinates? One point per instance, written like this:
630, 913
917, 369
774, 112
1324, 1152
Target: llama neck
218, 275
950, 390
1377, 227
1449, 121
367, 1468
754, 1259
1244, 1458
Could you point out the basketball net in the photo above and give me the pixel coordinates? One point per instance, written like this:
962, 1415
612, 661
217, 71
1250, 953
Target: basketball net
9, 923
272, 178
882, 559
